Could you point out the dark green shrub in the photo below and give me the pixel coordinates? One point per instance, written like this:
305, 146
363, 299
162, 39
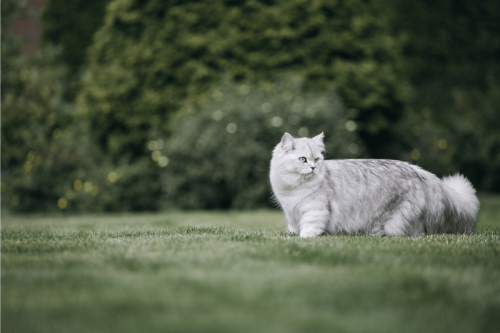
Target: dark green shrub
150, 57
36, 157
70, 25
46, 148
457, 38
219, 153
464, 136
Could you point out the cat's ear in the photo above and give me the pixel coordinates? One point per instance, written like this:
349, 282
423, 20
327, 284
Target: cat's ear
318, 139
287, 142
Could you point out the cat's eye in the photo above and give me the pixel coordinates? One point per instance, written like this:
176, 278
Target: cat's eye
303, 159
316, 160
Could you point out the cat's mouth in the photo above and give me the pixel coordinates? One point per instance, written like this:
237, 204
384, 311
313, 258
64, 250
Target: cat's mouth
309, 174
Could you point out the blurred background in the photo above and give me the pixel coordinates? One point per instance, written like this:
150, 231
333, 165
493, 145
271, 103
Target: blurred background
131, 105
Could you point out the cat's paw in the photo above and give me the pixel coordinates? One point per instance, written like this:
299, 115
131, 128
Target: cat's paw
309, 233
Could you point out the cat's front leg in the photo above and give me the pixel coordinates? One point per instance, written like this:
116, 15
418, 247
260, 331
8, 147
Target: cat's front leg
313, 224
291, 224
292, 229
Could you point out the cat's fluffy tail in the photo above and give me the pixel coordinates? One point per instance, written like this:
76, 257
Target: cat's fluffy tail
463, 202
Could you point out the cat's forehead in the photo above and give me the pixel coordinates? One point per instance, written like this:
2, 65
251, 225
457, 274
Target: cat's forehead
306, 146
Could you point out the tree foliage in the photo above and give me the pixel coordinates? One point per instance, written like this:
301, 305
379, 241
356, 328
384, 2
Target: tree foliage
419, 80
71, 25
49, 161
451, 56
447, 37
150, 57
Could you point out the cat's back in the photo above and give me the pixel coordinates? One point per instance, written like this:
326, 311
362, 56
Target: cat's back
374, 171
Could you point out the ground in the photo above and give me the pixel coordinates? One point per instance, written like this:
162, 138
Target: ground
240, 272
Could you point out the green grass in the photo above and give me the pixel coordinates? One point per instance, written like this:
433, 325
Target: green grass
239, 272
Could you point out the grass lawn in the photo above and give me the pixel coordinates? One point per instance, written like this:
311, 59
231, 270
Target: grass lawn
240, 272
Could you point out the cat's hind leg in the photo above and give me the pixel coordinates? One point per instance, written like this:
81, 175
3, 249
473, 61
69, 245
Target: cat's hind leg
405, 221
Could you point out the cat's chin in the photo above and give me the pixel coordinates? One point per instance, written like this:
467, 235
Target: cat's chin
308, 175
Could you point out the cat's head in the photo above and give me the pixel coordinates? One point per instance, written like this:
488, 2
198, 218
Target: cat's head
300, 155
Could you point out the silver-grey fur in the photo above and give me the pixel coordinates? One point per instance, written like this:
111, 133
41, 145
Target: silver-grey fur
366, 196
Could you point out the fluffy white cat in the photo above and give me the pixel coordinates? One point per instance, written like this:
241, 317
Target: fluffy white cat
366, 196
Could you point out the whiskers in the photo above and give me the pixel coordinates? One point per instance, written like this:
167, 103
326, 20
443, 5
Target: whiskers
274, 200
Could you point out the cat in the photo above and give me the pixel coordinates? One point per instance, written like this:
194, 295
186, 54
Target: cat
365, 196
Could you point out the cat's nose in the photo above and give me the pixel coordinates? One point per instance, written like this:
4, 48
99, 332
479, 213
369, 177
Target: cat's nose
313, 168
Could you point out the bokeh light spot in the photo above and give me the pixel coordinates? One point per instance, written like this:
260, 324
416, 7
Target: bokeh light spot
443, 144
303, 131
310, 113
27, 166
15, 201
231, 128
152, 145
62, 203
113, 177
217, 115
31, 156
94, 191
351, 126
4, 187
276, 121
78, 185
87, 187
353, 148
415, 154
267, 107
163, 161
156, 155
